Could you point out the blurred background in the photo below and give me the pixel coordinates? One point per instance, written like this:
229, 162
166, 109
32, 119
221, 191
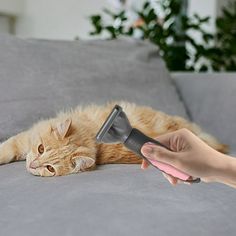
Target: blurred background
191, 34
67, 19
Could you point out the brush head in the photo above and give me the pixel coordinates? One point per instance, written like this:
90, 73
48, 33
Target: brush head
116, 128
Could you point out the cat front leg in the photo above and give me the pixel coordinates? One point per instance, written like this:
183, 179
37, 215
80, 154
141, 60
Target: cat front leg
84, 160
14, 149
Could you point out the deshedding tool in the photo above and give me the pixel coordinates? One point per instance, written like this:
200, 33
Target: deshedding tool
117, 129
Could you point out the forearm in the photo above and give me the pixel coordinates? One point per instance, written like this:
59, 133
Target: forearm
226, 173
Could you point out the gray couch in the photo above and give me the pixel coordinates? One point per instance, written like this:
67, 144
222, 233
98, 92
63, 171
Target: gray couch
38, 78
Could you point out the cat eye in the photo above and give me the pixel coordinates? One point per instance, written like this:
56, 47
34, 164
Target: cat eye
41, 149
50, 168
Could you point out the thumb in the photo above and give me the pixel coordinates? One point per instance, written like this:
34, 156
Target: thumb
159, 153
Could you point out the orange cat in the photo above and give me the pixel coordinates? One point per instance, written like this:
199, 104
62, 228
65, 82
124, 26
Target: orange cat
66, 144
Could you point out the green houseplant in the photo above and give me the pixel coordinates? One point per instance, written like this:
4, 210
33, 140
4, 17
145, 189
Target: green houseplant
180, 51
223, 55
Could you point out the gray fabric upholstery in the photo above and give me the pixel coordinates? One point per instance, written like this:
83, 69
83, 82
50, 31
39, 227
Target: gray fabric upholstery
211, 103
38, 78
113, 200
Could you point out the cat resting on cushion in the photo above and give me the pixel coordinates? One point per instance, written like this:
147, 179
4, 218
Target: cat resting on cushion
66, 144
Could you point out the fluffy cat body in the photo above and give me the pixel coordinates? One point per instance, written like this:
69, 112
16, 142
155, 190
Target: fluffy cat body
66, 144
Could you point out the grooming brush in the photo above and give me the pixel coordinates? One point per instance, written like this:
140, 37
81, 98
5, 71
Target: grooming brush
117, 129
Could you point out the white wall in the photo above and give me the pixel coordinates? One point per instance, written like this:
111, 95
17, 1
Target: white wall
58, 19
207, 8
204, 8
13, 7
66, 19
9, 8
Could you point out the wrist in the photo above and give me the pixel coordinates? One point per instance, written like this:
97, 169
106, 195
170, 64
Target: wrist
226, 170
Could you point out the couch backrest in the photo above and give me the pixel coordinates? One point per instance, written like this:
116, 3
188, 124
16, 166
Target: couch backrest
39, 78
211, 102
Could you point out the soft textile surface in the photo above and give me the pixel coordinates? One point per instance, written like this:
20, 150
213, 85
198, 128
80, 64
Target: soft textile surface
38, 78
211, 103
113, 200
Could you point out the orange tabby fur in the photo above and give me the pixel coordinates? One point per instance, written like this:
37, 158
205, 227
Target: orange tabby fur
66, 144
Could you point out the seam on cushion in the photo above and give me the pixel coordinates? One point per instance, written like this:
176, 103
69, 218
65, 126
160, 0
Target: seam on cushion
188, 112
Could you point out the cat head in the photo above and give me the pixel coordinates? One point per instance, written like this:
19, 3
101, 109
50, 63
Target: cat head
56, 149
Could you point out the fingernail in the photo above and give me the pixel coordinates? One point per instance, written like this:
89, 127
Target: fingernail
147, 150
149, 143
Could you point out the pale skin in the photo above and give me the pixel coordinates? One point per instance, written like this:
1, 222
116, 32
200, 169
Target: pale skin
193, 156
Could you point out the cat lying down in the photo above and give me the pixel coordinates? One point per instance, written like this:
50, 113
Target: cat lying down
66, 144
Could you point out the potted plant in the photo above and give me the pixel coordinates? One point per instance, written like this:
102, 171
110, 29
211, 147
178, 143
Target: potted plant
170, 32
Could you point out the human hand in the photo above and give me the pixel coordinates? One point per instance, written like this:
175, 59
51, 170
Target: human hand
189, 154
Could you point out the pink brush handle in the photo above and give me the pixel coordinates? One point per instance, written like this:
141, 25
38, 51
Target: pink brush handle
168, 169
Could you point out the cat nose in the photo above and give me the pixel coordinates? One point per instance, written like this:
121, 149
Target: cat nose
34, 164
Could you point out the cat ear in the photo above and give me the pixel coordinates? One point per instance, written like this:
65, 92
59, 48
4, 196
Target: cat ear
82, 163
62, 128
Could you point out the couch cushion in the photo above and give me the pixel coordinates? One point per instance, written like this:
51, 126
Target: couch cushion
38, 78
119, 200
211, 100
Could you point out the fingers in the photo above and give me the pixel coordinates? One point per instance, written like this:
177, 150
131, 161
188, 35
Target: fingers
144, 164
171, 179
169, 138
158, 153
165, 139
174, 181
